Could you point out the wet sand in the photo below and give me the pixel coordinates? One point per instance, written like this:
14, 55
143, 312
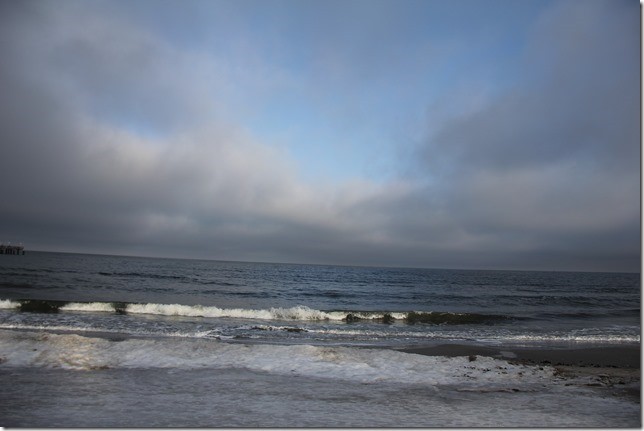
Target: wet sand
614, 369
610, 357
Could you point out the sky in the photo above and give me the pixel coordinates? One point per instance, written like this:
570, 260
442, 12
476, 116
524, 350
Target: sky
483, 134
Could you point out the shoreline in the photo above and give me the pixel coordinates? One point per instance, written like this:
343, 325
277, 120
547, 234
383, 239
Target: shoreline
604, 357
615, 370
614, 356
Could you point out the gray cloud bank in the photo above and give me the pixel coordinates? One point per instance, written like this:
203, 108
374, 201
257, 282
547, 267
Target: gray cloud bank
550, 170
114, 141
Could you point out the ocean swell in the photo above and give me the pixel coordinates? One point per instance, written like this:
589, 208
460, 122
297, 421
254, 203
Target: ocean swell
300, 312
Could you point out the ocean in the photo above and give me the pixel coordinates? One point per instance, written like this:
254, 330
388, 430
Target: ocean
90, 340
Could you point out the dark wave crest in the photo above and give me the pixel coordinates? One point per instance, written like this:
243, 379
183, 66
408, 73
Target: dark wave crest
300, 313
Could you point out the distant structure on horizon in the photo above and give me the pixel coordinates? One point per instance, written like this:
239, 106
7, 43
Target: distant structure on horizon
12, 249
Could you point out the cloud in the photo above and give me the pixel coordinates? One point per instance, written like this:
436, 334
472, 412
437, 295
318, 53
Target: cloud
580, 104
70, 88
201, 186
551, 167
119, 140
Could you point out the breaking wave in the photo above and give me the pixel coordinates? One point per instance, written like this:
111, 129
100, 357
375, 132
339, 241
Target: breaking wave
8, 304
300, 313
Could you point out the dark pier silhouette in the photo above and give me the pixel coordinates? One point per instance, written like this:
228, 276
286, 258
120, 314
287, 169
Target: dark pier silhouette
12, 249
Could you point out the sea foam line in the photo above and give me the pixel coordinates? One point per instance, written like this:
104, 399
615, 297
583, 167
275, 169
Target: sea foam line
574, 338
299, 312
293, 313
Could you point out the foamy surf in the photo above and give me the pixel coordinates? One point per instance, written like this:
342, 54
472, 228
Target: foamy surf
8, 304
104, 307
278, 385
73, 351
299, 312
293, 313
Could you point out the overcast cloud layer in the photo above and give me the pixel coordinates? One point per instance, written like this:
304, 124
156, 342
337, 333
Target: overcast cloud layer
377, 133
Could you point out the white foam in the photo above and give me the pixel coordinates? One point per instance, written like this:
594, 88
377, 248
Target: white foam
8, 304
72, 351
299, 312
573, 338
293, 313
89, 306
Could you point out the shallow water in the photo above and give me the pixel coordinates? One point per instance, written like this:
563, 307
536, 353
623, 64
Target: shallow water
228, 397
68, 380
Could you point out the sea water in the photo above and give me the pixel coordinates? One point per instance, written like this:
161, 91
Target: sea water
120, 341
